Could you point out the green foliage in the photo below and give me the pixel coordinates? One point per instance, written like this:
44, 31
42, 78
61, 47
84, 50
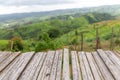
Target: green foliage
16, 43
46, 43
44, 36
29, 45
54, 33
79, 22
107, 37
117, 42
42, 45
57, 32
64, 24
74, 42
3, 44
97, 17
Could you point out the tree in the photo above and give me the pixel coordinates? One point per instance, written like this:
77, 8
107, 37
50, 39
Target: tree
54, 33
44, 37
45, 43
79, 22
42, 45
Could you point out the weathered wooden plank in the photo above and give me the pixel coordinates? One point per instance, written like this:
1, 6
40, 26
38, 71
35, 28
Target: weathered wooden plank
113, 58
75, 66
30, 69
66, 72
94, 68
117, 54
16, 69
82, 66
113, 55
105, 72
59, 65
113, 69
4, 55
40, 65
46, 70
10, 66
54, 67
8, 60
87, 67
43, 69
49, 66
20, 67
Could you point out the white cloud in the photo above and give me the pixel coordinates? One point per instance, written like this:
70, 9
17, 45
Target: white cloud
34, 2
46, 6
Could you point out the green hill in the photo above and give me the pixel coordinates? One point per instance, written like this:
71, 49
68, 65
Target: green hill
105, 32
52, 30
64, 24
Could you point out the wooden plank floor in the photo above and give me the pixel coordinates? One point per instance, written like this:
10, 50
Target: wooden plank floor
60, 65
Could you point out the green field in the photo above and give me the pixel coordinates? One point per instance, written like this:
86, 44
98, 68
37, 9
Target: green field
3, 44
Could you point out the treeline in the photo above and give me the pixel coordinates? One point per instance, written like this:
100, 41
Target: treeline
60, 24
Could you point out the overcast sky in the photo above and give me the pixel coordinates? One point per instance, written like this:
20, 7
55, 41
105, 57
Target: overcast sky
19, 6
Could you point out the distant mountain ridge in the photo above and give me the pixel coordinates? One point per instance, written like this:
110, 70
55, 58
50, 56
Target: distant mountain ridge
111, 9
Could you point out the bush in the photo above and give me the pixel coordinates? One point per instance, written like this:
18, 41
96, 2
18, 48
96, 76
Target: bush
54, 33
16, 43
44, 36
117, 42
46, 43
42, 45
107, 37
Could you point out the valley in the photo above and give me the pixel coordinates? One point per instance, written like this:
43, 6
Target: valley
53, 31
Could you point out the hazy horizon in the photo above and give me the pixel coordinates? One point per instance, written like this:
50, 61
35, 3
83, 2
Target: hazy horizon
21, 6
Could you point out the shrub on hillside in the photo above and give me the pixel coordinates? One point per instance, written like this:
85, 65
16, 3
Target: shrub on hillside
42, 45
46, 43
54, 33
16, 43
44, 36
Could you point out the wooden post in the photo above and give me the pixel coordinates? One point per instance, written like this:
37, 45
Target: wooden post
11, 45
82, 39
82, 43
119, 37
119, 34
112, 39
97, 39
76, 34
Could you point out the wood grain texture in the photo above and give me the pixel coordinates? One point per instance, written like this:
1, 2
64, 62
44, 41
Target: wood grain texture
76, 73
66, 69
55, 65
113, 69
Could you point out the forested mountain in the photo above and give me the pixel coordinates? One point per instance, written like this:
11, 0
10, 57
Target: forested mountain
111, 9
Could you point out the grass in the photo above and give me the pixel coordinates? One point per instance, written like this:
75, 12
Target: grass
105, 30
3, 44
